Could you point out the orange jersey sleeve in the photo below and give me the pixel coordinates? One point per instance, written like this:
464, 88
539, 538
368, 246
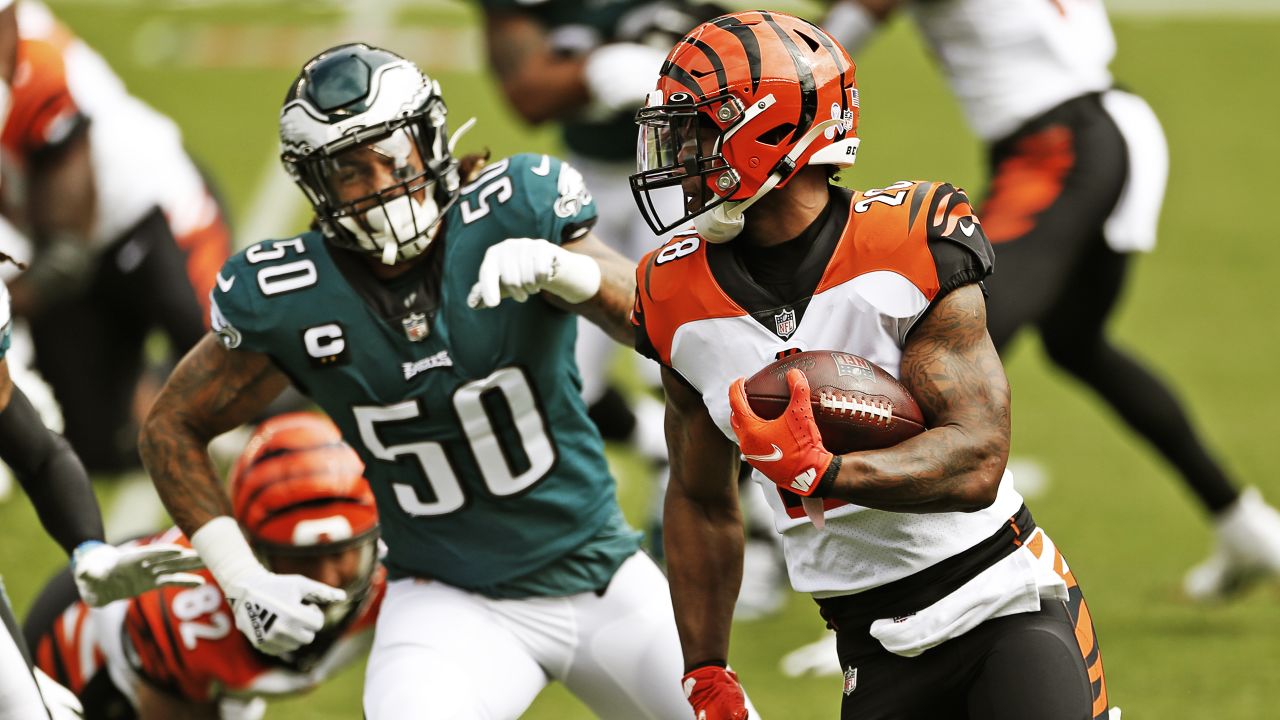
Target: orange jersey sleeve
925, 231
674, 286
43, 112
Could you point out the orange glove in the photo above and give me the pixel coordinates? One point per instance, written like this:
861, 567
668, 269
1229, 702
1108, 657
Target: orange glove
788, 449
715, 694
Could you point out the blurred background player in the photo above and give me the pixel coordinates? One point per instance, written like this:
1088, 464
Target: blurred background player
47, 468
301, 498
588, 68
125, 238
1077, 172
495, 501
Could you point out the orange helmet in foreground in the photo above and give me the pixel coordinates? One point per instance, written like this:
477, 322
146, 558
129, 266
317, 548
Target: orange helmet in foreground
743, 101
300, 495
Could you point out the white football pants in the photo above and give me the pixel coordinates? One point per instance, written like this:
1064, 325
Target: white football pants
20, 688
447, 654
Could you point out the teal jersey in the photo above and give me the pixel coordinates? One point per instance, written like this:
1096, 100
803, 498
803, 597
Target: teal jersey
487, 472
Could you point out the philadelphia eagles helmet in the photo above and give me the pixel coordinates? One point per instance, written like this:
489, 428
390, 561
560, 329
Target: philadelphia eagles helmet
356, 101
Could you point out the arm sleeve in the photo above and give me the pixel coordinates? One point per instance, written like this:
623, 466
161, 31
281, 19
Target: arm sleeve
961, 252
50, 473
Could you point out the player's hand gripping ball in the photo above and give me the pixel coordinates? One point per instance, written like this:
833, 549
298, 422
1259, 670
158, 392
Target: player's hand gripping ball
796, 417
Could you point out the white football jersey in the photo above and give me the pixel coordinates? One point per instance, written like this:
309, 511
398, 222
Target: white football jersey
138, 159
1008, 61
898, 250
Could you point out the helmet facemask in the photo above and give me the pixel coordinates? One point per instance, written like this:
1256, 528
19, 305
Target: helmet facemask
682, 172
356, 559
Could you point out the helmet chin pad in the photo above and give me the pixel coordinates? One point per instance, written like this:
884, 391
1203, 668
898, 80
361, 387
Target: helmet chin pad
396, 230
720, 224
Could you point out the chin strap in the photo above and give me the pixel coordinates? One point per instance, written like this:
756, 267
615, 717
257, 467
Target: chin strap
457, 134
725, 221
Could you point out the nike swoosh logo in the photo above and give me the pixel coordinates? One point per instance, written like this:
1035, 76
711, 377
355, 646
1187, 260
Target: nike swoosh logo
771, 457
225, 284
967, 229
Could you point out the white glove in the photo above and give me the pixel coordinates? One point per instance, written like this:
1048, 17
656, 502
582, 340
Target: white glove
620, 75
105, 573
277, 613
519, 267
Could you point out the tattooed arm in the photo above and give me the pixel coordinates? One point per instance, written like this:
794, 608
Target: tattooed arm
540, 84
951, 368
212, 390
610, 307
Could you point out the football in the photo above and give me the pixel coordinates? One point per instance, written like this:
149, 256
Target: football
857, 404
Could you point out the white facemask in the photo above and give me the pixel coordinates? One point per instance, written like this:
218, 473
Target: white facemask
398, 219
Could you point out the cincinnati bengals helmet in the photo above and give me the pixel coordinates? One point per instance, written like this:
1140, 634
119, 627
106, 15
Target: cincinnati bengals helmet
742, 102
298, 490
353, 97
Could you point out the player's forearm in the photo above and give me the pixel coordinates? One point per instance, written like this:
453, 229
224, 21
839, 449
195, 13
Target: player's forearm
212, 390
704, 567
611, 306
176, 456
48, 471
945, 469
955, 375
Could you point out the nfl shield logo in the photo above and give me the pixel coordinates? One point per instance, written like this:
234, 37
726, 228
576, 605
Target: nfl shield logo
784, 323
850, 680
415, 326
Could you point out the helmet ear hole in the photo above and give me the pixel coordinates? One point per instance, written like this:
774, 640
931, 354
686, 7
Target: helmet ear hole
775, 135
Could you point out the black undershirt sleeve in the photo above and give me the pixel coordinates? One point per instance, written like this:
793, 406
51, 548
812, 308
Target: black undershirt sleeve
51, 474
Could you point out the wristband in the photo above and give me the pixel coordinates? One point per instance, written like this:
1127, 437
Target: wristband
828, 480
715, 662
223, 547
574, 277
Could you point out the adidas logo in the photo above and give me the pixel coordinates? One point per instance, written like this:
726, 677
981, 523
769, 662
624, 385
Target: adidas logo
260, 618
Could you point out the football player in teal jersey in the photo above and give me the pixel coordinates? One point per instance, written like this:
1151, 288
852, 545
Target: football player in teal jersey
510, 561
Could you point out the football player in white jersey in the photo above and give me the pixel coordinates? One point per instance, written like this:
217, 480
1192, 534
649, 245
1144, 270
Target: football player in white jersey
1077, 177
928, 564
49, 471
125, 235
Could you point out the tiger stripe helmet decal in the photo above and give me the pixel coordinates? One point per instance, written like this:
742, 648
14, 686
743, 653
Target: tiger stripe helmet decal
741, 103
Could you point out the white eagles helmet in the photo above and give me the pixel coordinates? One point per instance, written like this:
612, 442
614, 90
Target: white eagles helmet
358, 96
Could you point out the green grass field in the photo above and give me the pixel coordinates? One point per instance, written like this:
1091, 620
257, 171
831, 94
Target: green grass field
1201, 310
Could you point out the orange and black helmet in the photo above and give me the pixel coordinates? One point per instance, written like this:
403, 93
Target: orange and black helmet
741, 103
298, 488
